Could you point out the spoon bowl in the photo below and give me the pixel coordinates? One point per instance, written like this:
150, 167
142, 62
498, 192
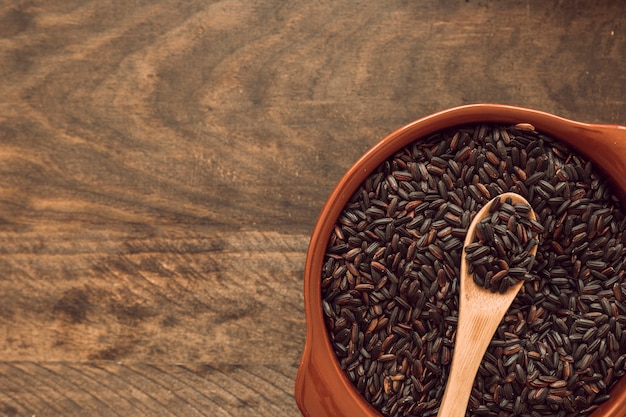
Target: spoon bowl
480, 313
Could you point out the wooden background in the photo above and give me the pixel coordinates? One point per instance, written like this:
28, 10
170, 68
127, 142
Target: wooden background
162, 165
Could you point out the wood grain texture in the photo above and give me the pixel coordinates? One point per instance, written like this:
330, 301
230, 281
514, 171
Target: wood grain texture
164, 298
162, 164
139, 389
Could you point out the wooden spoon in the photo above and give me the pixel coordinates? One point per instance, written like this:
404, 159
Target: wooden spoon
480, 313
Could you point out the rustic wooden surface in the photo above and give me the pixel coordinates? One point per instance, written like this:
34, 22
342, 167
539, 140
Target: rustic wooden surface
162, 165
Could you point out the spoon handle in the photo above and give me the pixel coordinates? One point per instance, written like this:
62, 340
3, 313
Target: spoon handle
474, 333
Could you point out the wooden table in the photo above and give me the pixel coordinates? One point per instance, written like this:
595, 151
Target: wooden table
163, 165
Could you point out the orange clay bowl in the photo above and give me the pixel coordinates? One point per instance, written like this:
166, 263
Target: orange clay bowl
322, 388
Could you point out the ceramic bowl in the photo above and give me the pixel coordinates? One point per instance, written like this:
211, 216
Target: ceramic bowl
322, 388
